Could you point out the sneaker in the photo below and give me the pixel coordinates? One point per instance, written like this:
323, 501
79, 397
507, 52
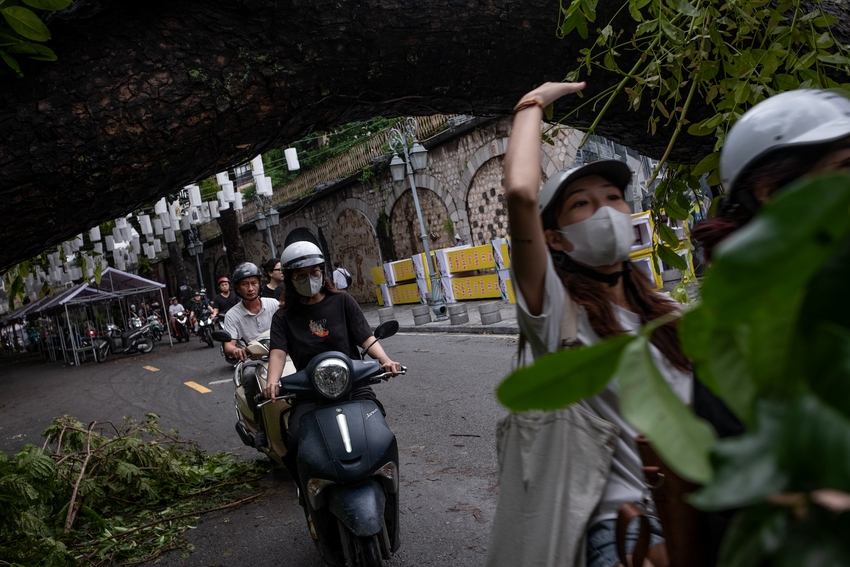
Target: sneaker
260, 439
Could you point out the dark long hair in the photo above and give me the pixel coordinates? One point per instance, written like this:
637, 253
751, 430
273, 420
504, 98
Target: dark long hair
772, 171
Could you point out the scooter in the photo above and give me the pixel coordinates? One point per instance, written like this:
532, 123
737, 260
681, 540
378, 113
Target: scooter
156, 329
205, 327
348, 461
117, 341
182, 326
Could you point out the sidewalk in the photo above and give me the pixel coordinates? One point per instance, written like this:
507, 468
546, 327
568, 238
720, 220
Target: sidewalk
404, 315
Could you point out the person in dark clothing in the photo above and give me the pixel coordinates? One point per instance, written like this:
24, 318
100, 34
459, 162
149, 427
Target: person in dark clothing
197, 306
274, 287
224, 300
316, 319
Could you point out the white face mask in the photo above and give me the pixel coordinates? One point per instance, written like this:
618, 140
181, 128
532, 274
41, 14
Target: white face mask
601, 240
309, 287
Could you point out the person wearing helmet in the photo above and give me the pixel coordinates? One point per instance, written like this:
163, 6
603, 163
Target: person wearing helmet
173, 310
575, 286
246, 320
225, 298
275, 275
315, 318
197, 305
781, 139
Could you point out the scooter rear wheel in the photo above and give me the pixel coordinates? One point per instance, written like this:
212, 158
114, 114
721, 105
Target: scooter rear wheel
145, 345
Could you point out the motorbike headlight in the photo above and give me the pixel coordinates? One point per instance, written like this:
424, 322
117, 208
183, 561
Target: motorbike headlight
331, 378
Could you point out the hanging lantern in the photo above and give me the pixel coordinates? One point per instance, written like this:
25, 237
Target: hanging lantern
214, 209
257, 165
94, 234
165, 220
157, 245
135, 244
149, 250
98, 247
229, 195
110, 242
161, 207
291, 159
145, 223
222, 204
222, 178
184, 223
194, 195
121, 222
205, 211
168, 233
157, 226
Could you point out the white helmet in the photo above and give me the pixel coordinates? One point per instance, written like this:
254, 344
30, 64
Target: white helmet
613, 170
794, 118
300, 255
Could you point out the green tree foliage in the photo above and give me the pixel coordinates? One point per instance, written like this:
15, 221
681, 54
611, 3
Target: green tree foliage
98, 494
771, 338
727, 56
23, 31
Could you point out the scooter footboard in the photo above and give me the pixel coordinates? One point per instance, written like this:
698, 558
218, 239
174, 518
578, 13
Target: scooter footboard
360, 507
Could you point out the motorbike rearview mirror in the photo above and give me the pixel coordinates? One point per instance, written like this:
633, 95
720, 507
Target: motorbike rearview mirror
386, 329
221, 336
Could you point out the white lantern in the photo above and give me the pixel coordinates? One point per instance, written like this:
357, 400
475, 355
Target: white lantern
110, 242
263, 185
194, 195
121, 222
237, 204
194, 215
257, 165
205, 211
214, 209
94, 234
98, 247
135, 244
160, 207
291, 159
169, 234
175, 211
127, 232
66, 247
157, 245
150, 252
165, 220
117, 235
184, 223
145, 223
228, 194
222, 204
222, 178
157, 226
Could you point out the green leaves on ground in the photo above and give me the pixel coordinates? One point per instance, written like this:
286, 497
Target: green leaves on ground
22, 27
101, 494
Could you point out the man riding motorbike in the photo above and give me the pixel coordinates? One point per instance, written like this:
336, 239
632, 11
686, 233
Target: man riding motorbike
225, 299
196, 308
173, 310
246, 320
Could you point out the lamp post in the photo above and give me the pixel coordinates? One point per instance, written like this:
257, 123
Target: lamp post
267, 217
196, 248
409, 156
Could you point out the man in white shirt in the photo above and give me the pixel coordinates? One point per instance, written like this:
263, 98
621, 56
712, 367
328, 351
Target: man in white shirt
173, 310
246, 320
341, 276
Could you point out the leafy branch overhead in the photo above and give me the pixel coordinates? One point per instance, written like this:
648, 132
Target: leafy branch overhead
725, 56
23, 31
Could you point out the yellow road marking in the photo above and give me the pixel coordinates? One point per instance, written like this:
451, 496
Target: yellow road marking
198, 387
151, 368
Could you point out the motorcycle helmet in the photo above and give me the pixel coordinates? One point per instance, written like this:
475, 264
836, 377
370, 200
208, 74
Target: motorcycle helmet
300, 255
202, 292
223, 279
793, 118
245, 270
617, 172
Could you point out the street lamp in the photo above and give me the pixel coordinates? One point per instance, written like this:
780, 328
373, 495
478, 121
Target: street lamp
267, 217
409, 156
196, 248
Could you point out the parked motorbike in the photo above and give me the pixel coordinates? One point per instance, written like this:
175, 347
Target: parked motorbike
156, 328
182, 318
118, 341
347, 456
205, 327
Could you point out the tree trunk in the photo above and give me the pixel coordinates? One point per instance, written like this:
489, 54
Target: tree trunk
181, 272
231, 237
149, 96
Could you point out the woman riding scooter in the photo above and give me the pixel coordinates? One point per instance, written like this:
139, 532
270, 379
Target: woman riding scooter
315, 319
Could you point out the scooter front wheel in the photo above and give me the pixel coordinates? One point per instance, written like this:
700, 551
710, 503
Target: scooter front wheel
370, 552
101, 353
144, 345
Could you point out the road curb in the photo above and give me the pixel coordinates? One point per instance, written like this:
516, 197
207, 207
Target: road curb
460, 329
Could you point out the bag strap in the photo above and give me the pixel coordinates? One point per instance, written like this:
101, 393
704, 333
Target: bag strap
627, 513
569, 324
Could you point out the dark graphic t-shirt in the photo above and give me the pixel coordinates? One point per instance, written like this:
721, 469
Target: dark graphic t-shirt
335, 323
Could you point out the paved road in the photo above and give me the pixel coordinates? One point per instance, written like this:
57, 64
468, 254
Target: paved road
442, 412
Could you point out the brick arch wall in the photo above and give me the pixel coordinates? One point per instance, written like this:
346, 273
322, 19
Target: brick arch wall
486, 206
406, 233
355, 245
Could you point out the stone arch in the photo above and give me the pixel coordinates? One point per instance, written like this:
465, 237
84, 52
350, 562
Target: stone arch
355, 245
425, 185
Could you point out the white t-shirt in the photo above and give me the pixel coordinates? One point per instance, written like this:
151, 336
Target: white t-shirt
242, 324
339, 278
175, 309
626, 482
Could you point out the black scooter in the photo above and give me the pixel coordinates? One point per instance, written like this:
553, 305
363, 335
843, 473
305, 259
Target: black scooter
347, 460
117, 341
205, 327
